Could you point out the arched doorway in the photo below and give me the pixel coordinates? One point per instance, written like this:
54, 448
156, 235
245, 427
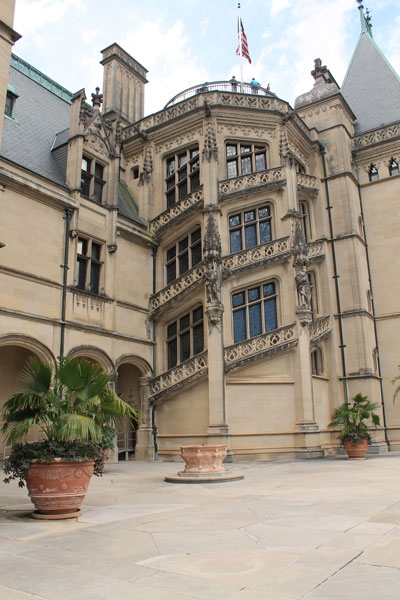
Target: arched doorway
15, 351
127, 385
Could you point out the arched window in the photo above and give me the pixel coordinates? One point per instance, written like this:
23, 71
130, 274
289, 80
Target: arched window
245, 158
183, 255
305, 219
373, 173
182, 174
135, 173
254, 311
393, 167
317, 367
313, 290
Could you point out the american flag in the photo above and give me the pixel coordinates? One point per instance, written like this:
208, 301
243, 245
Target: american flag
243, 43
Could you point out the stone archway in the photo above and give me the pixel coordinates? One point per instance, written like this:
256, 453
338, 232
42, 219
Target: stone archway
135, 439
15, 351
93, 354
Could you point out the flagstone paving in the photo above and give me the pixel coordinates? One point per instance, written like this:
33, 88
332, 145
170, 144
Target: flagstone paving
318, 530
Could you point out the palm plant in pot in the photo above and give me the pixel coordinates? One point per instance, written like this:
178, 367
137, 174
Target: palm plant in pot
71, 404
352, 417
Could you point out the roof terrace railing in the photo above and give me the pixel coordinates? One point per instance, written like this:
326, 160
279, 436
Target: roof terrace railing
220, 86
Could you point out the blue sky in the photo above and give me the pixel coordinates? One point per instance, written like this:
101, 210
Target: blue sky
186, 42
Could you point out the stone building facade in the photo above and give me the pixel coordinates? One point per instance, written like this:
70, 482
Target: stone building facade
231, 259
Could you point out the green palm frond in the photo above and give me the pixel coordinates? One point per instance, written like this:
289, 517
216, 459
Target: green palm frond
36, 376
75, 427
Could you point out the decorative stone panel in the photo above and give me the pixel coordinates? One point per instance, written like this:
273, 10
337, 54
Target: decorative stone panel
319, 329
238, 184
180, 375
257, 347
306, 181
176, 288
196, 198
270, 251
378, 135
315, 249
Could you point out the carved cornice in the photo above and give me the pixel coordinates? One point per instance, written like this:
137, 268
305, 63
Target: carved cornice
260, 346
171, 292
376, 136
172, 380
271, 178
271, 251
319, 330
180, 209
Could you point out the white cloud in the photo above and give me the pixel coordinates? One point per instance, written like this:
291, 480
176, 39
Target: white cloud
278, 6
33, 16
203, 26
168, 55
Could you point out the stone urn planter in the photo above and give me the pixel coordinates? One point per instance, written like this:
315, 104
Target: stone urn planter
356, 451
204, 459
204, 464
58, 489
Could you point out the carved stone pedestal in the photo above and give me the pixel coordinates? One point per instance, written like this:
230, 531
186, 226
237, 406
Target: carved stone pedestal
204, 464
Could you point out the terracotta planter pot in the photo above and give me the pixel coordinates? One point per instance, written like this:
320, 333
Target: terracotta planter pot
203, 459
58, 489
356, 451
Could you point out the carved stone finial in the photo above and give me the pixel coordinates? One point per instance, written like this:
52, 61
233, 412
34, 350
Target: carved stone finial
210, 151
145, 175
85, 110
212, 240
283, 145
97, 99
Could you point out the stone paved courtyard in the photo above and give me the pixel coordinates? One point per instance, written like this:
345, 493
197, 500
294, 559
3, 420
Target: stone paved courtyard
321, 530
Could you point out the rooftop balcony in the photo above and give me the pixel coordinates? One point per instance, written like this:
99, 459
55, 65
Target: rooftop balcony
220, 86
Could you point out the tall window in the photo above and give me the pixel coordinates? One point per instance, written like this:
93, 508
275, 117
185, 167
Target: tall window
373, 173
254, 311
89, 264
10, 104
183, 255
250, 228
242, 159
92, 179
316, 362
185, 337
313, 290
305, 220
393, 167
182, 175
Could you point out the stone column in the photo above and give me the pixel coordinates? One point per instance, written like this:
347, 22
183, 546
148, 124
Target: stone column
144, 449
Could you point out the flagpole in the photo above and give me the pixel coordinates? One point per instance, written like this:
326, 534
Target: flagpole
240, 50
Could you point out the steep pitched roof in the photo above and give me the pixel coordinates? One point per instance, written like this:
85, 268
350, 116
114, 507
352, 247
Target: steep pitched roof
371, 86
42, 109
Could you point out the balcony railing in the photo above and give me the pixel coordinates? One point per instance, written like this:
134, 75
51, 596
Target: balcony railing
316, 249
219, 86
259, 254
171, 291
267, 343
196, 198
319, 329
180, 375
238, 184
306, 181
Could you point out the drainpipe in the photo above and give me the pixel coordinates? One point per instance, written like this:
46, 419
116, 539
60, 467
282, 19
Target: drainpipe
67, 218
373, 313
342, 346
153, 409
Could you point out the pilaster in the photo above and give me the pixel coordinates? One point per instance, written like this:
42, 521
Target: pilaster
144, 449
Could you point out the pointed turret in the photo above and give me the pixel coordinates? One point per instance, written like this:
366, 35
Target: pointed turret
371, 86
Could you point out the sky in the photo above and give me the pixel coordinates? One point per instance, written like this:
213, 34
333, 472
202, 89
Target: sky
186, 42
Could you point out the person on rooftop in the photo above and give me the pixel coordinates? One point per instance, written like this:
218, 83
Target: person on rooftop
255, 85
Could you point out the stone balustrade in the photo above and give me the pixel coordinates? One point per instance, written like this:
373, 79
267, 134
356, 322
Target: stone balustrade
276, 340
316, 249
176, 287
319, 329
378, 135
306, 181
271, 250
238, 184
179, 375
196, 198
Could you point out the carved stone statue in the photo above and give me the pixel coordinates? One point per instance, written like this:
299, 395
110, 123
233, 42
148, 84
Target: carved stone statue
303, 289
211, 281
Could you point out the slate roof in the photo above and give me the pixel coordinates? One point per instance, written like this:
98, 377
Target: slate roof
41, 110
371, 86
127, 205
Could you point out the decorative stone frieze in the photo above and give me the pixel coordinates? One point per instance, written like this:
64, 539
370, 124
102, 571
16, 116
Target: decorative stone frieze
316, 250
177, 287
238, 184
257, 347
269, 251
378, 135
319, 329
180, 375
306, 181
179, 209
